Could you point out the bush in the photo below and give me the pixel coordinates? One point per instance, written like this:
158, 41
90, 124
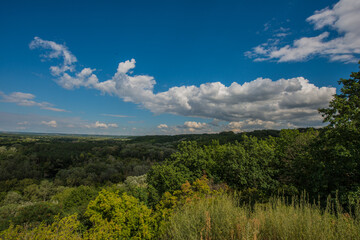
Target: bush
61, 229
119, 217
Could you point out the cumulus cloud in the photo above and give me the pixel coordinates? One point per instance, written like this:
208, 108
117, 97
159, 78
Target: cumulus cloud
284, 101
235, 126
193, 126
51, 123
27, 99
190, 124
162, 126
98, 124
247, 125
343, 19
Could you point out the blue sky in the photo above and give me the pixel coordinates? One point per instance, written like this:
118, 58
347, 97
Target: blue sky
171, 67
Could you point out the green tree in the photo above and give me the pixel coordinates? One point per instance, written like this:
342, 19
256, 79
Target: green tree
339, 146
344, 109
245, 165
168, 176
75, 200
297, 168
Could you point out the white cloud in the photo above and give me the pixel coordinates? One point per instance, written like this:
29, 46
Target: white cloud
98, 124
56, 51
248, 125
284, 101
27, 99
193, 126
51, 123
323, 18
343, 18
190, 124
64, 124
235, 126
162, 126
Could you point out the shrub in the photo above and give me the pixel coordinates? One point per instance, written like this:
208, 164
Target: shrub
61, 229
123, 217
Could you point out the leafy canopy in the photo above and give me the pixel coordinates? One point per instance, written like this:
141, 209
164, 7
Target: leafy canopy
344, 109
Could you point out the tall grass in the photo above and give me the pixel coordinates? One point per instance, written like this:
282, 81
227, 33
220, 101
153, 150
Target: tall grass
220, 218
212, 218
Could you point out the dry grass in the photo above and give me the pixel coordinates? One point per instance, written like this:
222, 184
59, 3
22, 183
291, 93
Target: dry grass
220, 218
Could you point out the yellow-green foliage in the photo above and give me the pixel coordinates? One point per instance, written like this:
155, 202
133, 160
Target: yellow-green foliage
119, 217
61, 229
188, 194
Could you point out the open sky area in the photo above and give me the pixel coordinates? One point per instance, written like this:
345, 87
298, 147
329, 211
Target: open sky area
172, 67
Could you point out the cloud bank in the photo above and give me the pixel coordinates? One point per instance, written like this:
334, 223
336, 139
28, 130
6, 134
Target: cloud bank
343, 19
98, 124
285, 101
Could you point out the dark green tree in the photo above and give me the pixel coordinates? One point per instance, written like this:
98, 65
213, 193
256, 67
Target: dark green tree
344, 109
339, 146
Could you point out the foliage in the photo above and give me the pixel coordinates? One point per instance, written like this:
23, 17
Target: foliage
298, 169
75, 160
27, 213
246, 165
36, 213
241, 165
167, 176
344, 109
75, 200
12, 197
119, 217
61, 229
188, 193
339, 146
40, 192
137, 187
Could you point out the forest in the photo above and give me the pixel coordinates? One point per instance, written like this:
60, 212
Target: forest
265, 184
